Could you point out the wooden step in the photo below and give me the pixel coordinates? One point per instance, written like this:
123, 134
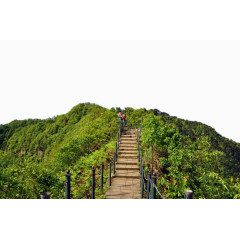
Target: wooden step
128, 136
127, 149
132, 152
127, 174
132, 144
130, 131
127, 145
118, 190
127, 162
128, 139
126, 188
124, 156
132, 147
127, 167
120, 158
127, 183
125, 196
128, 153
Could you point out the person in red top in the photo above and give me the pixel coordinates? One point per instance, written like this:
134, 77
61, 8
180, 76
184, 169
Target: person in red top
124, 119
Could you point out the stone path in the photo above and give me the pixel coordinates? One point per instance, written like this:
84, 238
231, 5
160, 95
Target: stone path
126, 182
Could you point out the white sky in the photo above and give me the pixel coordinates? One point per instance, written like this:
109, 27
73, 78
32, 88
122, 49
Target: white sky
194, 80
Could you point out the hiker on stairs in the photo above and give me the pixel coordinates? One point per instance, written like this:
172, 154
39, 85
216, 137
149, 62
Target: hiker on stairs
120, 115
124, 119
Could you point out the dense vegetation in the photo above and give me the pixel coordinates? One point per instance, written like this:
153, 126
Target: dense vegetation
190, 155
35, 154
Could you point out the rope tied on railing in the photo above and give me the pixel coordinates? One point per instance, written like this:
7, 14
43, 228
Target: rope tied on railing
145, 180
158, 192
63, 190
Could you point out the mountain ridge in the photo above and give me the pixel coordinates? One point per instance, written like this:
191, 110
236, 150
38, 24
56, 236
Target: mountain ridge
85, 136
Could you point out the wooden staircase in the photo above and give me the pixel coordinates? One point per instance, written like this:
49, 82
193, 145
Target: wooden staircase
126, 181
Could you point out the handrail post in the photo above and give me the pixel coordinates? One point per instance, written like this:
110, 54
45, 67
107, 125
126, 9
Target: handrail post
119, 135
155, 183
120, 128
116, 152
110, 174
68, 185
139, 148
93, 183
188, 194
118, 140
102, 171
153, 190
142, 181
141, 167
148, 184
114, 163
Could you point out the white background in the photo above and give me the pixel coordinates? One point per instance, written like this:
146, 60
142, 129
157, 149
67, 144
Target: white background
119, 219
194, 80
29, 72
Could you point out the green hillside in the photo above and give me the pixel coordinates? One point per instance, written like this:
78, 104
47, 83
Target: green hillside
35, 154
